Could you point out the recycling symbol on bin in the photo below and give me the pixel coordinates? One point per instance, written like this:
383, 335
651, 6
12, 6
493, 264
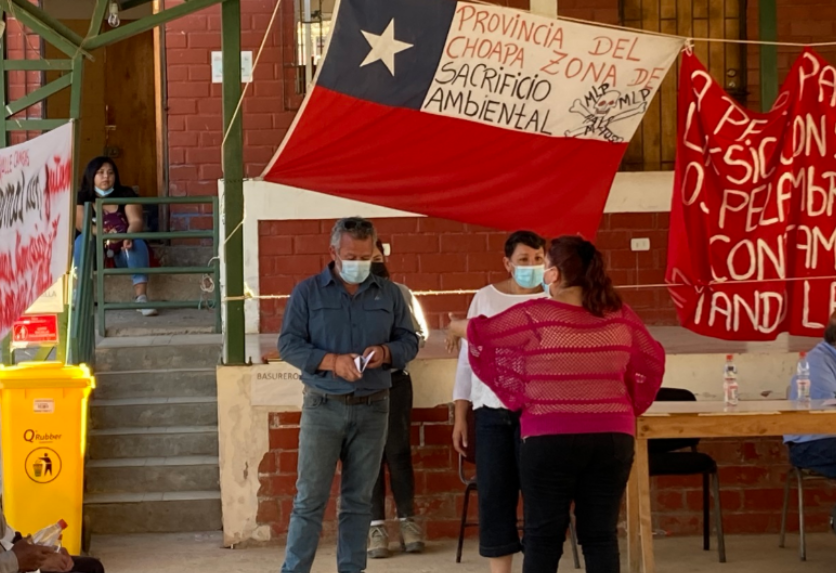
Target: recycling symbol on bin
43, 465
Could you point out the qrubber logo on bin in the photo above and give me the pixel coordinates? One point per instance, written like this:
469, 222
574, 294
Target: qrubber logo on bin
33, 436
43, 465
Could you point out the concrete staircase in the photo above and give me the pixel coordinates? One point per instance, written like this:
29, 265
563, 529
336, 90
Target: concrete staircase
153, 445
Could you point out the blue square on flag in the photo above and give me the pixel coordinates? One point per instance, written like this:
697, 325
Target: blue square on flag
386, 52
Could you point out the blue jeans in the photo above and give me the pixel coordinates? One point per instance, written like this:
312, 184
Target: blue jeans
136, 258
331, 432
818, 455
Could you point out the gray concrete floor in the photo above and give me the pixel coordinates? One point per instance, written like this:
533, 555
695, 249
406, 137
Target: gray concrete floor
202, 553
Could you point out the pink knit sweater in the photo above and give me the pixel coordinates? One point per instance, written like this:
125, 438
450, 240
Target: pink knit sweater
570, 372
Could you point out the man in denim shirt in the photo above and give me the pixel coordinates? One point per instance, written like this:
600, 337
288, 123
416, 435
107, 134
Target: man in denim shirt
334, 318
818, 452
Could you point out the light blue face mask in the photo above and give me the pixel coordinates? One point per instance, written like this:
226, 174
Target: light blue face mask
103, 192
529, 276
355, 272
546, 286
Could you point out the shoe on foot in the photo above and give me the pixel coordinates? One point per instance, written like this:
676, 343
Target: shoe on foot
145, 311
378, 542
412, 538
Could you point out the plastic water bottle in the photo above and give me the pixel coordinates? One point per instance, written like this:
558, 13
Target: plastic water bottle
50, 536
731, 389
802, 378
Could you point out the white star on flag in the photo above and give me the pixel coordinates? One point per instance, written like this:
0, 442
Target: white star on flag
384, 47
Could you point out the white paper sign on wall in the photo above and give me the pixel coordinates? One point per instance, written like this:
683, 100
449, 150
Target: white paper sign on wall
218, 67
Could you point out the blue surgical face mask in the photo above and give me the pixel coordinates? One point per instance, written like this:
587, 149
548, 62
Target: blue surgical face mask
103, 192
546, 286
529, 276
355, 272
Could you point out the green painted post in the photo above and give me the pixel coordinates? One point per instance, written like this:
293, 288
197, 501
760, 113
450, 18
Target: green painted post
216, 265
146, 23
37, 95
100, 265
46, 27
7, 354
233, 169
98, 17
768, 32
77, 74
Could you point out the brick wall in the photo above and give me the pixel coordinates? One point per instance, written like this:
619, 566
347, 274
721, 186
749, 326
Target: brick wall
802, 21
22, 44
435, 254
752, 474
195, 116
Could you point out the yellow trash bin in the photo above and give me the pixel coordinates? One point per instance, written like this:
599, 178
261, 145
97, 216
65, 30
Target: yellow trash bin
44, 438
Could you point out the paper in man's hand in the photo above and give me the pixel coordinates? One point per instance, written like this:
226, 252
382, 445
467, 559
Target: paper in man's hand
362, 361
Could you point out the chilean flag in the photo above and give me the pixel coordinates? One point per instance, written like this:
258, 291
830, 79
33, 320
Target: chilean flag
475, 113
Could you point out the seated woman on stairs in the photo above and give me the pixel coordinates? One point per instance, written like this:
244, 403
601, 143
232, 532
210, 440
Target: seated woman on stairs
101, 179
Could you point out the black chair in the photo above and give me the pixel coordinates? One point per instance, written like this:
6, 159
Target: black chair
668, 458
470, 487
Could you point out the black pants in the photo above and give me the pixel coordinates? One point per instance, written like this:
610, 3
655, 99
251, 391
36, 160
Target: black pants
87, 565
397, 454
498, 475
589, 469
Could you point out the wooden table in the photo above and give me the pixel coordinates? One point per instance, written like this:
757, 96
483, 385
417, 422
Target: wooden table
707, 420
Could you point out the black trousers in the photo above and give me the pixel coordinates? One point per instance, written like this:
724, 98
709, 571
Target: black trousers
498, 475
87, 565
397, 454
590, 470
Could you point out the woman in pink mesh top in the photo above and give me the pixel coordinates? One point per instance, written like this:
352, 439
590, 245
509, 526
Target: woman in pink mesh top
580, 367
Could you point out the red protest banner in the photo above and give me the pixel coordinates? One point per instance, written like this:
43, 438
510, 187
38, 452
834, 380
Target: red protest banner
753, 231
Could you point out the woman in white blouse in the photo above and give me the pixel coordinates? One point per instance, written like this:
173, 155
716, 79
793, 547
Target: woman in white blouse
497, 429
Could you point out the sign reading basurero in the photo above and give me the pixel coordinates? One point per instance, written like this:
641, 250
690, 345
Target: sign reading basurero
43, 434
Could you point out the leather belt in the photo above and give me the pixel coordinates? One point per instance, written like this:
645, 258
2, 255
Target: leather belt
352, 400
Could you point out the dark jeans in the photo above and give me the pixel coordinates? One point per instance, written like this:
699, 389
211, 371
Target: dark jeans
397, 454
498, 475
818, 455
87, 565
333, 432
592, 471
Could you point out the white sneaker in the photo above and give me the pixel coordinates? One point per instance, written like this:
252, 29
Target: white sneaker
412, 538
378, 545
145, 311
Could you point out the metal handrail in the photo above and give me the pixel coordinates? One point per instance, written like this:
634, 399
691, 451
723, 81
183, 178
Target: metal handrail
81, 342
212, 268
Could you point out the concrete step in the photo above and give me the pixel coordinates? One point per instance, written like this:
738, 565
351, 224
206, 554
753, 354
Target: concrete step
156, 512
153, 442
144, 475
169, 321
185, 256
119, 288
132, 353
153, 412
172, 383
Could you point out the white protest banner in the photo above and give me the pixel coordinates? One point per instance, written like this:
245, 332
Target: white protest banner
35, 203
